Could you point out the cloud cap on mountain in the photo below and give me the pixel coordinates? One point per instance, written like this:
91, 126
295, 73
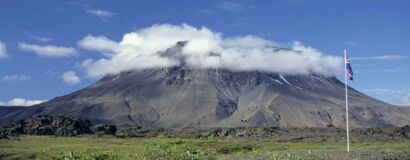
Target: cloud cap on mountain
205, 49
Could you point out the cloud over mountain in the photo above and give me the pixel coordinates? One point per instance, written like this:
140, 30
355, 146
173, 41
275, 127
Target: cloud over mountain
406, 100
205, 49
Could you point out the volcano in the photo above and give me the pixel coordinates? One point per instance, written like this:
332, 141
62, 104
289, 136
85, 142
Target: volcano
187, 97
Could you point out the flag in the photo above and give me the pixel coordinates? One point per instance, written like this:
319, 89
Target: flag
349, 70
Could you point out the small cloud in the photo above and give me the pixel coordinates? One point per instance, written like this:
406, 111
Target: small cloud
74, 3
406, 100
385, 70
3, 50
207, 11
70, 77
98, 43
86, 62
48, 50
42, 39
393, 70
382, 91
386, 57
231, 6
103, 14
296, 2
21, 102
16, 78
228, 6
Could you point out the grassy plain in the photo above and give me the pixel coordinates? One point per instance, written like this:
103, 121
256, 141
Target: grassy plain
95, 148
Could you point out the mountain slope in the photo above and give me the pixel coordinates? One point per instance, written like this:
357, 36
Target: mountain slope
4, 110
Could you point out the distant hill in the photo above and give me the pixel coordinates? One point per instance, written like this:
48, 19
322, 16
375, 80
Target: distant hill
181, 96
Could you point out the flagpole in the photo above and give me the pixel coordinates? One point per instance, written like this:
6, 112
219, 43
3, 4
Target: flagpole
347, 106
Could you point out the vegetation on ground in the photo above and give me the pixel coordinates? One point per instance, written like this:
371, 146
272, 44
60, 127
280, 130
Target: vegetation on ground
99, 148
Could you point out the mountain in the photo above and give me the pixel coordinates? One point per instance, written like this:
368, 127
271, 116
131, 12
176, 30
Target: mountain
183, 97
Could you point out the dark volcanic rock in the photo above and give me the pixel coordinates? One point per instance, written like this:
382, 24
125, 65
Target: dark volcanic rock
47, 125
305, 134
404, 131
104, 129
63, 126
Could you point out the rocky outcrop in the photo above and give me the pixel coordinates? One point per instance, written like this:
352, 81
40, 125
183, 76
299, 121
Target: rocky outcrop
104, 129
403, 131
304, 134
64, 126
47, 125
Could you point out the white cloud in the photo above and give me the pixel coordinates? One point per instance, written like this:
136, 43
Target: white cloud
48, 50
403, 100
206, 49
3, 50
386, 57
406, 100
15, 77
42, 39
376, 70
21, 102
382, 91
231, 6
86, 62
70, 77
207, 11
98, 43
103, 14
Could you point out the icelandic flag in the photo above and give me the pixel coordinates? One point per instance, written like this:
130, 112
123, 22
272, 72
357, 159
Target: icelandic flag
349, 70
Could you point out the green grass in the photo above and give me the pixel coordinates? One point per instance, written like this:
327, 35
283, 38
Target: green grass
94, 148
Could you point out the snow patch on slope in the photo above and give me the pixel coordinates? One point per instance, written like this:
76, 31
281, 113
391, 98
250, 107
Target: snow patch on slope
287, 82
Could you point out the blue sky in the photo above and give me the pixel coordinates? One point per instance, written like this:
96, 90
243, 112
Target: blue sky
375, 32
